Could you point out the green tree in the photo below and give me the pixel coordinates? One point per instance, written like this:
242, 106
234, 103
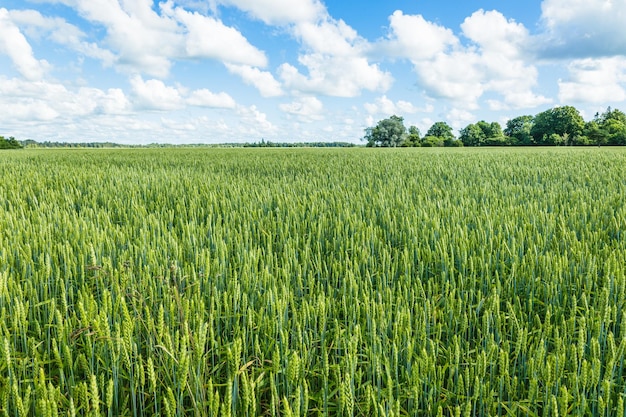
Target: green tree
616, 132
613, 114
612, 124
518, 130
564, 121
441, 130
430, 141
387, 133
482, 133
439, 134
10, 143
491, 130
472, 135
413, 139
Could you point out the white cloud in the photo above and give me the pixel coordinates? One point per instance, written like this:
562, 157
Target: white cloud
334, 60
252, 121
28, 111
494, 60
583, 28
207, 37
61, 32
456, 76
382, 105
425, 124
330, 37
335, 76
44, 101
51, 111
206, 98
459, 118
595, 81
413, 37
502, 59
178, 125
140, 40
114, 101
385, 106
155, 95
14, 44
306, 109
494, 33
279, 12
264, 81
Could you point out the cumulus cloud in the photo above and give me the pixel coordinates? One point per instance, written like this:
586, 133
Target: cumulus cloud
112, 102
206, 98
330, 37
333, 59
305, 109
455, 76
595, 80
139, 39
493, 60
337, 76
496, 34
385, 106
263, 81
44, 101
155, 95
415, 38
142, 40
61, 32
503, 58
459, 118
14, 44
207, 37
582, 28
278, 12
253, 121
45, 110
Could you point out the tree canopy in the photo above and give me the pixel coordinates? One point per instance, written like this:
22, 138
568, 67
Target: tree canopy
557, 126
10, 143
611, 127
482, 134
439, 134
391, 132
387, 133
518, 130
414, 138
561, 125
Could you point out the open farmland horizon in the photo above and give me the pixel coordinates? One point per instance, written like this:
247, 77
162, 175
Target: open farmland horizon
222, 71
234, 282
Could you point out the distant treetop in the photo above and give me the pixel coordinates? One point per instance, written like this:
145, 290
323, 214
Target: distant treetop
558, 126
10, 143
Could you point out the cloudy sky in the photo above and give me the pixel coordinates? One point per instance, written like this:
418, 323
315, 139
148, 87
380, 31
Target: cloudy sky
191, 71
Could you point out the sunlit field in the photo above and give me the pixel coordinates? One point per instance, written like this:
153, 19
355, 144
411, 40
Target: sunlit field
305, 282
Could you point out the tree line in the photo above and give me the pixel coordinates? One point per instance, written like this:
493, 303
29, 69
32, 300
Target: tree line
9, 143
562, 125
29, 143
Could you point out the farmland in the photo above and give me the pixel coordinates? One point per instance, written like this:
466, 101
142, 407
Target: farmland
242, 282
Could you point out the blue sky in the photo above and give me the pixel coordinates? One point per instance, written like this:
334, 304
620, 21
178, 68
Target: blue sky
212, 71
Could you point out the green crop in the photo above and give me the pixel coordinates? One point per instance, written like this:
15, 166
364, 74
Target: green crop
244, 282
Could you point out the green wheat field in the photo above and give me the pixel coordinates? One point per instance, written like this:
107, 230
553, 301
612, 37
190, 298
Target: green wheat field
306, 282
